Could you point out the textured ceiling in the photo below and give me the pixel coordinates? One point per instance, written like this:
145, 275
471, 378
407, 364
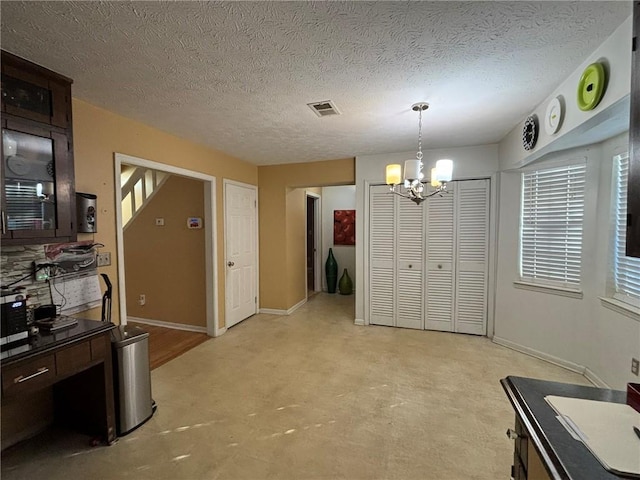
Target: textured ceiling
237, 75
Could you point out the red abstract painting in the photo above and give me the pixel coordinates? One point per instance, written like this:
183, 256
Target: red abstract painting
344, 227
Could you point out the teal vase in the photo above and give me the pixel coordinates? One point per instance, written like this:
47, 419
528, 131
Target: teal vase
331, 270
345, 284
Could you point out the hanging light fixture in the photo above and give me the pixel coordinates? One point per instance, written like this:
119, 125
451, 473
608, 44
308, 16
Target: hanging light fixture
412, 182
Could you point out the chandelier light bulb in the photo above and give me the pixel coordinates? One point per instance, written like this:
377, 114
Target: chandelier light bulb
444, 170
394, 174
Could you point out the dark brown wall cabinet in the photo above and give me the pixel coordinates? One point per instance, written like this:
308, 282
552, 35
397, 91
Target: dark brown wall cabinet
37, 176
633, 198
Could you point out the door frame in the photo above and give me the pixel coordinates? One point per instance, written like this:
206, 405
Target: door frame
210, 228
225, 182
317, 242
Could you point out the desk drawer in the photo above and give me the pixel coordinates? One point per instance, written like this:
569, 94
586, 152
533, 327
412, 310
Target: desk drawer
99, 347
73, 359
28, 376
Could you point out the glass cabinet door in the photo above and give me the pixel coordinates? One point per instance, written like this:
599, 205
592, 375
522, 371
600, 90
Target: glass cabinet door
29, 181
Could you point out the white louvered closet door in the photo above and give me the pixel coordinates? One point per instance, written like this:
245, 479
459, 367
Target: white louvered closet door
440, 236
471, 256
410, 245
381, 256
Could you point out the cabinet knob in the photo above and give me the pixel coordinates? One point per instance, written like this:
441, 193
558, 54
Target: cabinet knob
512, 434
440, 266
230, 264
410, 266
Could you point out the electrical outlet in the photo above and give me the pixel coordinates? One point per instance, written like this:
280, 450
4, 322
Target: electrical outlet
142, 299
635, 366
104, 259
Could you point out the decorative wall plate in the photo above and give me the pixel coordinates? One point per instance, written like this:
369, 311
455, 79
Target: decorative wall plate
591, 87
553, 116
18, 165
530, 132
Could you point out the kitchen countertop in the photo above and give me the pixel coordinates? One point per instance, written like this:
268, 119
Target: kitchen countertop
563, 457
44, 341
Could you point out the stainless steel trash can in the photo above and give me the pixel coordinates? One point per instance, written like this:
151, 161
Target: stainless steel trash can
132, 377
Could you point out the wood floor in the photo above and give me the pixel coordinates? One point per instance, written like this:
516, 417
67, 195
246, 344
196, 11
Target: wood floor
165, 344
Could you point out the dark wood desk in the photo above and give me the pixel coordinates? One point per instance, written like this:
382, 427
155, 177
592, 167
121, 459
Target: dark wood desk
76, 361
543, 448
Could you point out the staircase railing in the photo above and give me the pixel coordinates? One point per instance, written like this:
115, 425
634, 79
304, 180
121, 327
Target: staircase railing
137, 190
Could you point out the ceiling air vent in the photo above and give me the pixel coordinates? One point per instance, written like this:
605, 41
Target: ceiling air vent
324, 109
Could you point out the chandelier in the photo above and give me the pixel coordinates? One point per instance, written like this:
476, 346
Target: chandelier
413, 187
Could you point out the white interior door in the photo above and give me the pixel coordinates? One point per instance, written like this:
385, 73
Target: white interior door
410, 247
472, 251
441, 230
428, 264
240, 252
381, 256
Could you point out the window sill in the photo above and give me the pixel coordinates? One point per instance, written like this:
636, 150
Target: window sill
621, 308
563, 292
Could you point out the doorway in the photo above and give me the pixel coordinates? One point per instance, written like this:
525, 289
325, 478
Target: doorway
208, 225
313, 232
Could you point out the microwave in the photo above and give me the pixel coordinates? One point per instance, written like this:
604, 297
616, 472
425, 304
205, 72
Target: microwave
14, 318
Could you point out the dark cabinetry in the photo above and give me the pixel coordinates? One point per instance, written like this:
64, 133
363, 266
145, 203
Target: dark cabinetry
543, 448
37, 176
633, 199
77, 364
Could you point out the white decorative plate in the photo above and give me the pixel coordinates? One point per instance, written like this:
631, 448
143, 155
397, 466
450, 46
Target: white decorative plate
553, 116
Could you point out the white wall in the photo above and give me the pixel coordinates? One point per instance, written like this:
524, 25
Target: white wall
579, 128
338, 198
469, 162
578, 333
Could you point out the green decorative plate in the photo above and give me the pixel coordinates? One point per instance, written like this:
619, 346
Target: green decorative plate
591, 87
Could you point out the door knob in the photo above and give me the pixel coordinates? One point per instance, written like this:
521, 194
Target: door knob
512, 434
230, 264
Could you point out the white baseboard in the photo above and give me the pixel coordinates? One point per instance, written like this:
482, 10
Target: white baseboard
219, 331
273, 311
574, 367
175, 326
359, 321
296, 306
596, 380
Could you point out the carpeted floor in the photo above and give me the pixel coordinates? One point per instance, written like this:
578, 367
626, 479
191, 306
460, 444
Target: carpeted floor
311, 396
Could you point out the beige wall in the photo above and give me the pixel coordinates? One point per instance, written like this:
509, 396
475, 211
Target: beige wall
98, 134
296, 245
166, 263
282, 225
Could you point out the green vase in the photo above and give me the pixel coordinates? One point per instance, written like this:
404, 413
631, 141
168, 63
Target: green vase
331, 270
346, 284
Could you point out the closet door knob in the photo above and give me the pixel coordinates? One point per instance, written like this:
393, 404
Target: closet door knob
512, 434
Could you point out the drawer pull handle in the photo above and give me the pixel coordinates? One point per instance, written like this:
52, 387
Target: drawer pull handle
21, 379
512, 434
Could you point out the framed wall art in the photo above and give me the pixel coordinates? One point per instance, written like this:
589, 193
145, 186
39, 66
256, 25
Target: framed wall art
344, 227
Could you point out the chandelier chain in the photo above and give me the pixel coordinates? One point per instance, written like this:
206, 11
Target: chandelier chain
419, 154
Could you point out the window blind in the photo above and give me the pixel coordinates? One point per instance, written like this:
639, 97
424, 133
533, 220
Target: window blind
626, 270
551, 225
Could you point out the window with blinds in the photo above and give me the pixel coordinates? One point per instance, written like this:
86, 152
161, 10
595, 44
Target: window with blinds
551, 226
626, 270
